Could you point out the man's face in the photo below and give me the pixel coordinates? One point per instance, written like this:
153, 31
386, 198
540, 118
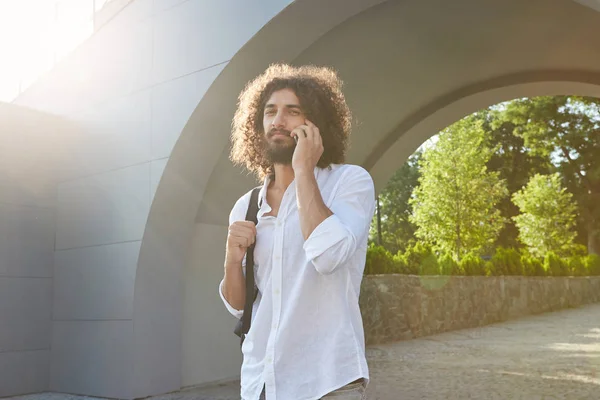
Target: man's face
282, 115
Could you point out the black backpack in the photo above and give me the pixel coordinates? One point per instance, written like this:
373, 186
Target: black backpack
243, 325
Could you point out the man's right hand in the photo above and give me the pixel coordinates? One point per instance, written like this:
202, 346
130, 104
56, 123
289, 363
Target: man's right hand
242, 234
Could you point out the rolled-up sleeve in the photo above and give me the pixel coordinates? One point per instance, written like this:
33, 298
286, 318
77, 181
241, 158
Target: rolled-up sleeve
338, 237
236, 313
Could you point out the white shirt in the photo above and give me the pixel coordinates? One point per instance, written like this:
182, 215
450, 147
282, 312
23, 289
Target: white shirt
306, 338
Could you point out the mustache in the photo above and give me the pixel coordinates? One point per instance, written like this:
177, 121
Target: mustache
280, 132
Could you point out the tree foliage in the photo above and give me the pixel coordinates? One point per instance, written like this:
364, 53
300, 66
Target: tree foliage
530, 136
515, 164
548, 216
397, 231
454, 205
566, 130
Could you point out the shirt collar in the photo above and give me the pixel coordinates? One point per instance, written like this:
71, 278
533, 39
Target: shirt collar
263, 190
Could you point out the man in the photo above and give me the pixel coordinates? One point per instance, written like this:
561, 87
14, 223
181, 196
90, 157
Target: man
306, 340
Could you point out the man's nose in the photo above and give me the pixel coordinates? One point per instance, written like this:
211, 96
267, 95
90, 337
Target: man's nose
278, 121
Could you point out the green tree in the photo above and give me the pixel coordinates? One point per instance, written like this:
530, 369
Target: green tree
397, 231
566, 130
515, 164
455, 202
548, 216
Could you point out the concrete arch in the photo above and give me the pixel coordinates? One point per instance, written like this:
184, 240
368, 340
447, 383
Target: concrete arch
390, 55
400, 143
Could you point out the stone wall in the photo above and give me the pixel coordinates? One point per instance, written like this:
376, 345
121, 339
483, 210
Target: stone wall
399, 307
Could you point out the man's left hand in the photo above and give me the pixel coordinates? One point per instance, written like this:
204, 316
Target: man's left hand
309, 147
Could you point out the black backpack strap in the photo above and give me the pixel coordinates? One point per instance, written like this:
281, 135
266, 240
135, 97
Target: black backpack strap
251, 289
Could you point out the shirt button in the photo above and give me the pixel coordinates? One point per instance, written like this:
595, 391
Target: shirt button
276, 291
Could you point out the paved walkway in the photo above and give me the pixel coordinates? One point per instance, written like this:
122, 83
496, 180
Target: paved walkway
549, 356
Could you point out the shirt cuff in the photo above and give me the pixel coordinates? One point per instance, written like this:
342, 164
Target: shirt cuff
328, 233
236, 313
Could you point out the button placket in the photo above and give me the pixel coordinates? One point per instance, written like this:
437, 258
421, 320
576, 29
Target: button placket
277, 272
276, 279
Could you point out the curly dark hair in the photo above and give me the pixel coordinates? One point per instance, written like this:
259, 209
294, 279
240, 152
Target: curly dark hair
319, 90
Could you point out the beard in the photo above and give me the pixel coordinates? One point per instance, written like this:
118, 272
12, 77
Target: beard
280, 151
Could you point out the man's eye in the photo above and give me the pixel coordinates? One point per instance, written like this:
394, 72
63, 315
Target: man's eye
269, 112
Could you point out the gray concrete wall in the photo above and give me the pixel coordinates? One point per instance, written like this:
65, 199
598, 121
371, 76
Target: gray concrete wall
202, 363
28, 162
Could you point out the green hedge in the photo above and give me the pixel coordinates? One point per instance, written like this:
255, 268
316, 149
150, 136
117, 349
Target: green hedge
421, 260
